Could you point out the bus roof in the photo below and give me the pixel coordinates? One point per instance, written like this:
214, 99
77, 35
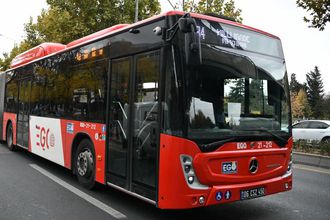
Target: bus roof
221, 20
96, 34
34, 53
46, 49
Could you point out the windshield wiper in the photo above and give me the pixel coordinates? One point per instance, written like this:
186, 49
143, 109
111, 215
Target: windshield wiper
214, 145
279, 140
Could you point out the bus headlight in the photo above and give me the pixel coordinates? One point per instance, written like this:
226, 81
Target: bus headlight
189, 173
289, 168
290, 162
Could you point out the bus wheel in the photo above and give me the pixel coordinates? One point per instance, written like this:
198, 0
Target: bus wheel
10, 139
85, 164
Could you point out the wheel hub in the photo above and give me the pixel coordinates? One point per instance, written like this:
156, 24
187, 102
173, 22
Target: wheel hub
85, 163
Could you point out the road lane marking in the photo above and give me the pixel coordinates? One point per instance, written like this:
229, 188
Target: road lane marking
111, 211
318, 170
3, 152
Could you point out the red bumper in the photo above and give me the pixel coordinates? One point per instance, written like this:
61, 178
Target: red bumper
271, 186
174, 192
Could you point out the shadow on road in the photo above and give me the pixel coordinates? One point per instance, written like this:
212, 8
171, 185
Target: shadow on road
134, 208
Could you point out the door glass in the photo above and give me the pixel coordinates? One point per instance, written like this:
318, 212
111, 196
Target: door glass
23, 117
26, 99
145, 119
119, 114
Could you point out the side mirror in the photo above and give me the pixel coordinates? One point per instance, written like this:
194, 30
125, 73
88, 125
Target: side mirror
192, 45
185, 24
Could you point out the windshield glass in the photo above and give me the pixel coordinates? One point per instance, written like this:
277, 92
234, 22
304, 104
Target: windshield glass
235, 93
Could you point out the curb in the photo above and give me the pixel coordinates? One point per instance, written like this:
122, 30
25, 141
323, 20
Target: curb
311, 160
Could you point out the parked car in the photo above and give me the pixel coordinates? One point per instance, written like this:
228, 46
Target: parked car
312, 130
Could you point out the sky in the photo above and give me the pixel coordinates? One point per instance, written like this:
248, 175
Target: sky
303, 47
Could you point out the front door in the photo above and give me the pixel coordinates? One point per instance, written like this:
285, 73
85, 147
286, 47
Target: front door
134, 123
119, 116
23, 113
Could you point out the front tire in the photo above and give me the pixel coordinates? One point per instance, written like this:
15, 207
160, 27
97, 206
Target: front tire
10, 139
85, 164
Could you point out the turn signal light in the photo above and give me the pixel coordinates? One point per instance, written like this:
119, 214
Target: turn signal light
189, 173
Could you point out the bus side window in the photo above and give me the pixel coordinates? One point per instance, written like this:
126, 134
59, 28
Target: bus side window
11, 93
87, 86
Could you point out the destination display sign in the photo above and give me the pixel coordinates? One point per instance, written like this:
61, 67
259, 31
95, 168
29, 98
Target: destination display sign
234, 37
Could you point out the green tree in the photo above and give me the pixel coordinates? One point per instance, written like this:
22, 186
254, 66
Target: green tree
315, 91
236, 93
5, 61
319, 12
295, 86
222, 7
32, 36
8, 57
256, 96
67, 20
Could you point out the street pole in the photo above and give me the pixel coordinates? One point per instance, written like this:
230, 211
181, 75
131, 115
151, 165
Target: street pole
136, 11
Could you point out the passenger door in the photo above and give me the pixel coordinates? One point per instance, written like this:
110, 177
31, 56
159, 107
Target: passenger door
23, 113
145, 126
133, 123
119, 115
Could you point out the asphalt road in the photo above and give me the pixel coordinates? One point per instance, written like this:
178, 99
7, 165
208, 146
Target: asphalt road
33, 188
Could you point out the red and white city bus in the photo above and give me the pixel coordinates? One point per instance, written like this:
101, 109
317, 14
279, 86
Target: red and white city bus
179, 110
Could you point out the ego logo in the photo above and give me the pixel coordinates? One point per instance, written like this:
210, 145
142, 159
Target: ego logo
45, 138
229, 167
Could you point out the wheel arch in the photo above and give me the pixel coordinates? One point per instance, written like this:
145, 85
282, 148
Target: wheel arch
9, 122
325, 137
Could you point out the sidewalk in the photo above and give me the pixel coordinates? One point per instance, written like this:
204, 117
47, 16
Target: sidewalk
311, 159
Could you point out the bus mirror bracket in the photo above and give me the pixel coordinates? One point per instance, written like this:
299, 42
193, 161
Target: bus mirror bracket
192, 44
187, 25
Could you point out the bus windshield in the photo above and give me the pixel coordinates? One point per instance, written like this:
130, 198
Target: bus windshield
237, 92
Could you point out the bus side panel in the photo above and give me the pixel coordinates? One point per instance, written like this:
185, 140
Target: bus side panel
6, 118
2, 102
96, 132
52, 139
46, 138
174, 193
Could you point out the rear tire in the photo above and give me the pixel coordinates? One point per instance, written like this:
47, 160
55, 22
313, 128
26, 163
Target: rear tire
10, 139
84, 164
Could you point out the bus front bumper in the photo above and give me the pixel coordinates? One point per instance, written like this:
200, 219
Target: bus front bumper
237, 192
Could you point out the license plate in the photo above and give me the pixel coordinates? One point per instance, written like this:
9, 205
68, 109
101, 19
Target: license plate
252, 193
